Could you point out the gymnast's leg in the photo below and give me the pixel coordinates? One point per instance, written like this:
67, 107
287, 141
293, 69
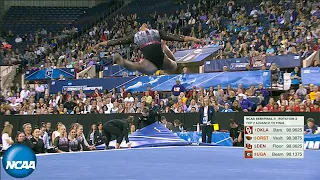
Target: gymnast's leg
167, 51
144, 66
169, 64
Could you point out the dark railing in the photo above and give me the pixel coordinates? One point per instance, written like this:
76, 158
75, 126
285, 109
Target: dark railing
189, 120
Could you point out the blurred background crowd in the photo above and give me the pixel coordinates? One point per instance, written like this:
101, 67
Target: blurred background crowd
239, 29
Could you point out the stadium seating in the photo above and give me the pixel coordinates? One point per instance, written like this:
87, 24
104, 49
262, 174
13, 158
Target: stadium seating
23, 20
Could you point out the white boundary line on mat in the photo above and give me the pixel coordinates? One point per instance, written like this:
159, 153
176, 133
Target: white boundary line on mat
150, 137
144, 148
221, 141
134, 149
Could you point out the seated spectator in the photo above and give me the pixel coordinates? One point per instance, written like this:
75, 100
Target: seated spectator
25, 93
45, 136
262, 91
270, 51
310, 128
315, 107
251, 91
183, 97
231, 97
91, 139
317, 100
193, 104
226, 108
151, 93
275, 108
74, 144
69, 105
308, 109
56, 133
180, 105
61, 77
224, 101
161, 106
6, 137
153, 106
166, 124
86, 76
193, 93
236, 106
61, 142
38, 144
129, 98
121, 109
27, 129
82, 139
177, 126
271, 103
308, 103
282, 100
313, 93
96, 94
168, 110
99, 135
179, 109
21, 139
244, 103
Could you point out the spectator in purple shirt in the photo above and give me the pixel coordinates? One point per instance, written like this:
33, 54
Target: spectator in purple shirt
203, 18
177, 88
39, 91
262, 91
245, 103
280, 20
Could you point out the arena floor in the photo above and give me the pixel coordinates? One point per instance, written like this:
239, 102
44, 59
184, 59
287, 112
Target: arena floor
172, 163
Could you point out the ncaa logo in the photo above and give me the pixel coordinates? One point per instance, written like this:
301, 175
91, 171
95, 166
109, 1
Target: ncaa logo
19, 161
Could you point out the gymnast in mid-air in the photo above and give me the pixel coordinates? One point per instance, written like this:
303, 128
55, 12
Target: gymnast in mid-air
157, 55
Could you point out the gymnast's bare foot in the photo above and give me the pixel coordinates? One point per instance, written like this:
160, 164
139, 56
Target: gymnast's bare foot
117, 59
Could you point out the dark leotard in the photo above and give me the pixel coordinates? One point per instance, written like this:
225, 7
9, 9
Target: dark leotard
149, 42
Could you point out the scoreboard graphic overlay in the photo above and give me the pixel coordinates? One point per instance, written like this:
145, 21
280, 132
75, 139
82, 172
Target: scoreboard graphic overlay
273, 137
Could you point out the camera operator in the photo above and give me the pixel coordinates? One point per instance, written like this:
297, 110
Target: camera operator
236, 133
147, 117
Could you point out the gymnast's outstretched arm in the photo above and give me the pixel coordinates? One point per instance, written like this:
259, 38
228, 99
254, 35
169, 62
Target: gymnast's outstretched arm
126, 40
180, 38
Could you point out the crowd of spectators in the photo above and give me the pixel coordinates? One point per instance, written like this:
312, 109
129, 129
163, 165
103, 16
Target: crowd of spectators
208, 23
38, 46
35, 100
293, 30
286, 27
46, 139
